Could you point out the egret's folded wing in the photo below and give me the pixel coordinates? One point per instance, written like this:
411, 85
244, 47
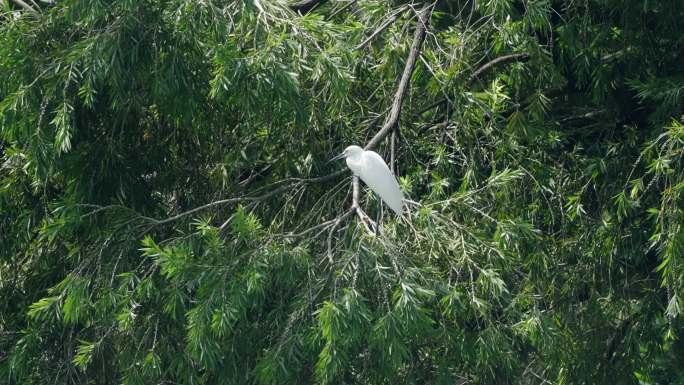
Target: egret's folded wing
380, 179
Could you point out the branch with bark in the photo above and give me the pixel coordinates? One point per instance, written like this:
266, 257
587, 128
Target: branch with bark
25, 6
393, 117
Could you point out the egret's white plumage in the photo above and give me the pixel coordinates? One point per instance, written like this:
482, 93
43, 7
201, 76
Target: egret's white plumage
373, 171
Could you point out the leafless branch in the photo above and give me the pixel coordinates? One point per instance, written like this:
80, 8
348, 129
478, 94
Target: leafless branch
26, 6
393, 118
321, 225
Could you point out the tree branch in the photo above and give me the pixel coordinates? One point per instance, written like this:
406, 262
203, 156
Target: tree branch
475, 75
342, 9
390, 123
335, 225
579, 120
499, 60
393, 118
383, 26
305, 6
321, 225
26, 6
363, 217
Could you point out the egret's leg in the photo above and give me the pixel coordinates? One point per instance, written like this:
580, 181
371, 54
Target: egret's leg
378, 218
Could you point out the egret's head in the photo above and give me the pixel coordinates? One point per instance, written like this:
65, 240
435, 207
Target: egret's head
352, 150
348, 152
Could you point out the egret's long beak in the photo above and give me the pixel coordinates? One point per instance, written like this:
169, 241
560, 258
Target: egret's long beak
337, 157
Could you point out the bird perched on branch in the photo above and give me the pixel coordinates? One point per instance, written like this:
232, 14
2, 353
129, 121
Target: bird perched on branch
373, 171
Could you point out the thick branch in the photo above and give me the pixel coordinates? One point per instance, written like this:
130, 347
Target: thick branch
305, 6
393, 118
25, 6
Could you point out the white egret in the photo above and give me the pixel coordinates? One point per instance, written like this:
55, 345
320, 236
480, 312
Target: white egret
373, 171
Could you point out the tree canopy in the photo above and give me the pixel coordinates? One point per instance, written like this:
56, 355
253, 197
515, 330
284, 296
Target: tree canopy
168, 213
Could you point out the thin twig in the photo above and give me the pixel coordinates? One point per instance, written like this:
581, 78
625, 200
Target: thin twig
337, 222
259, 198
321, 225
499, 60
342, 9
383, 26
475, 75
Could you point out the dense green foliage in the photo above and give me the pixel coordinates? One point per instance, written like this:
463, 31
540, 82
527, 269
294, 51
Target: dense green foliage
157, 224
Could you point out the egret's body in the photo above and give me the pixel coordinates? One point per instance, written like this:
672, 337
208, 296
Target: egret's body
373, 171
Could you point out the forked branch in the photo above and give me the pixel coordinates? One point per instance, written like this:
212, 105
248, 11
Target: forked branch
388, 126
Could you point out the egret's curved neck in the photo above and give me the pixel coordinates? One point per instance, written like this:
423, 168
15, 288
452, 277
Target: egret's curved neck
355, 162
